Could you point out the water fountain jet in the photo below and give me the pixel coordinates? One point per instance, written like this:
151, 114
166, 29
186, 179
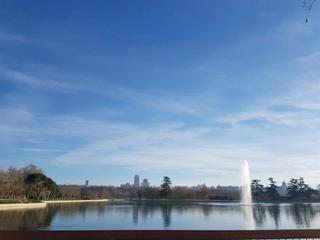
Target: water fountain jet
245, 184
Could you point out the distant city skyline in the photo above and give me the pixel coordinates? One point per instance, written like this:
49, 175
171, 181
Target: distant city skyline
282, 190
186, 89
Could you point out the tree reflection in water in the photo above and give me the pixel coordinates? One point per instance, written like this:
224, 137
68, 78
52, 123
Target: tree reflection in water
302, 213
135, 214
148, 209
207, 210
261, 215
166, 210
274, 212
25, 219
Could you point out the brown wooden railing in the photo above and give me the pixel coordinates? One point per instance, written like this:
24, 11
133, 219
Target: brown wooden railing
160, 235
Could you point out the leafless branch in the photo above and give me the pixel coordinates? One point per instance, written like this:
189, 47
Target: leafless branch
307, 6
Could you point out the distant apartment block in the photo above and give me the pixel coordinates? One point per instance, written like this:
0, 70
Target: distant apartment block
126, 186
228, 188
198, 188
145, 183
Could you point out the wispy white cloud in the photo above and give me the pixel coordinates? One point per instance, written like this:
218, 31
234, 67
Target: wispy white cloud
311, 59
46, 150
299, 106
43, 83
6, 36
158, 100
293, 28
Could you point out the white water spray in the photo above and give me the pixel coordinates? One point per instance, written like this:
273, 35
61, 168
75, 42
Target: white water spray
245, 184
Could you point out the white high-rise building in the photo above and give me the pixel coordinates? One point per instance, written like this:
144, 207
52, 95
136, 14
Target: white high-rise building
136, 182
283, 190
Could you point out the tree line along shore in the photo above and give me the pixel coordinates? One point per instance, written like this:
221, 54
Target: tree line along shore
30, 185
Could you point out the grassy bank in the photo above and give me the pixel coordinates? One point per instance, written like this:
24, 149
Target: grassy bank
17, 201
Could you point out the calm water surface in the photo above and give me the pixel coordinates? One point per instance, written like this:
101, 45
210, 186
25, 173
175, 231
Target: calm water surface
163, 215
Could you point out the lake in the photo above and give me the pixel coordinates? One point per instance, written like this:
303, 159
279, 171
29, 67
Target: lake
163, 215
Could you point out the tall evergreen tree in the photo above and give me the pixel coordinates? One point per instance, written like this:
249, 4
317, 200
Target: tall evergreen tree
165, 187
293, 187
297, 188
256, 188
272, 192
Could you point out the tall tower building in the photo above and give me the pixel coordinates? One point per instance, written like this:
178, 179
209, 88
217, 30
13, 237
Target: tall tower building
136, 182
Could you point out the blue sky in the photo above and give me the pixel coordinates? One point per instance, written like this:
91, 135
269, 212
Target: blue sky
102, 90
